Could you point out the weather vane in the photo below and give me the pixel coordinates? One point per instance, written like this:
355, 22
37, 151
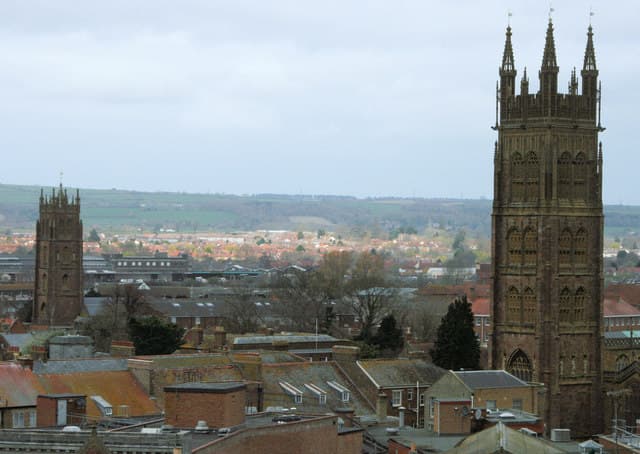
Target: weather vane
551, 10
509, 14
61, 175
591, 14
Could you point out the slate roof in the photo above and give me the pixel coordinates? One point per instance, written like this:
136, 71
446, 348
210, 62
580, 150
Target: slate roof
19, 387
483, 379
392, 373
500, 438
186, 308
116, 387
270, 357
314, 373
71, 366
94, 304
18, 340
293, 338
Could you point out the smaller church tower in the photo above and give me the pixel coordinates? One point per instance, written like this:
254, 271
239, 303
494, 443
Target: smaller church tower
58, 287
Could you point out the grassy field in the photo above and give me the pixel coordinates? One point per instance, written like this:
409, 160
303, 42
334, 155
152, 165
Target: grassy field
119, 210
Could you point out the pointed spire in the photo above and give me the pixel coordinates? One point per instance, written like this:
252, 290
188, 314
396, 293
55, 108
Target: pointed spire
508, 62
589, 53
573, 84
549, 56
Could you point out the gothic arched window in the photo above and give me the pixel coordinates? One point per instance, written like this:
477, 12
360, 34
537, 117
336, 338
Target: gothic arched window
532, 176
530, 246
514, 246
622, 361
580, 247
580, 177
517, 177
529, 305
513, 305
564, 304
564, 176
579, 304
564, 247
520, 365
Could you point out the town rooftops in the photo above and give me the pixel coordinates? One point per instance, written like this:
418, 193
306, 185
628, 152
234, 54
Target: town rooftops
391, 373
500, 438
483, 379
71, 366
617, 307
19, 387
480, 306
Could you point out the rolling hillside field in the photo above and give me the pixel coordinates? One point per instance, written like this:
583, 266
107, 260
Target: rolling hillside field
121, 210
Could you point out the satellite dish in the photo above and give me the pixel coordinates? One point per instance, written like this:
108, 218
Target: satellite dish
465, 411
478, 413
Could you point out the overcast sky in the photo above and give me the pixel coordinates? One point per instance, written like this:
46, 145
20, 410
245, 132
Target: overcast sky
364, 98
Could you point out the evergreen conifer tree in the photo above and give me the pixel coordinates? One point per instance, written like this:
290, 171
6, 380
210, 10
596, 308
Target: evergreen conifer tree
457, 346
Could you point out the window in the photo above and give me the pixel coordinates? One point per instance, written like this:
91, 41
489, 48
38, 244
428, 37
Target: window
517, 177
579, 304
478, 321
580, 177
530, 247
322, 398
431, 407
514, 247
564, 176
491, 404
422, 400
18, 420
532, 173
516, 404
520, 366
197, 320
564, 247
513, 305
409, 395
297, 398
396, 397
565, 305
173, 319
580, 247
529, 305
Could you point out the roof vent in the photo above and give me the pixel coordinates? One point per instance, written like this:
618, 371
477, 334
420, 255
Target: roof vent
105, 407
201, 426
560, 435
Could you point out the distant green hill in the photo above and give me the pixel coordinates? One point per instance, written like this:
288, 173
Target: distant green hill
116, 210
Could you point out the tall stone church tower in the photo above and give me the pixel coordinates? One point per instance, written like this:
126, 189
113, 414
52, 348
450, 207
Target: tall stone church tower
547, 225
58, 292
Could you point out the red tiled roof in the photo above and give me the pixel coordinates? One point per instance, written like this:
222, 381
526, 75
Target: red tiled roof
480, 306
613, 307
628, 292
19, 386
116, 387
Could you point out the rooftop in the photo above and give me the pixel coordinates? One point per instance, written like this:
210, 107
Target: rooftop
482, 379
389, 373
